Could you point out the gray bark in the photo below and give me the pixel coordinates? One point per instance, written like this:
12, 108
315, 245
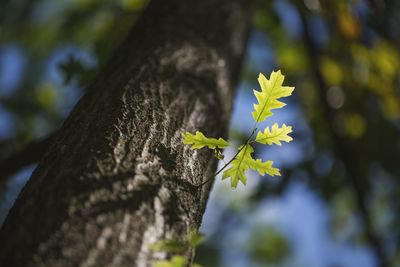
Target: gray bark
117, 177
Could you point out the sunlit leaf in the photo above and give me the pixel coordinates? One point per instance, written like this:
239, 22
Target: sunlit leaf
275, 135
271, 91
263, 167
239, 165
198, 141
176, 261
245, 161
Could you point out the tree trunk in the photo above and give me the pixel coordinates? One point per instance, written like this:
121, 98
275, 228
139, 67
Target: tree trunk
117, 177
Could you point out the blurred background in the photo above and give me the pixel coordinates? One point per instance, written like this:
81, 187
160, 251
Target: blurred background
337, 203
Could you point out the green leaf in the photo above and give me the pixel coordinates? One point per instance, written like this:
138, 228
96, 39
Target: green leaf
218, 153
245, 161
239, 166
175, 261
198, 141
271, 91
275, 135
263, 167
173, 246
195, 238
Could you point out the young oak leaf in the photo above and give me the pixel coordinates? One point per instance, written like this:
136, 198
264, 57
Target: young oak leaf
243, 162
275, 135
263, 167
271, 91
175, 261
239, 166
198, 141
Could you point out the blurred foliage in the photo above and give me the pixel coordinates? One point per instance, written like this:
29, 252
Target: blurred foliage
51, 50
56, 49
177, 247
268, 246
358, 57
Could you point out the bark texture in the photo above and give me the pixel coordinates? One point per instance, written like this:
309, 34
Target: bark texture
117, 177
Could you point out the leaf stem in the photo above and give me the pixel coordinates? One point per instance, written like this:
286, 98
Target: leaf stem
233, 158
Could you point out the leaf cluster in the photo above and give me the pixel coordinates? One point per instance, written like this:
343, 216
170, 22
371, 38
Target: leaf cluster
272, 90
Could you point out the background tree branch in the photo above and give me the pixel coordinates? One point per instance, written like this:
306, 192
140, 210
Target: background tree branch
29, 154
342, 146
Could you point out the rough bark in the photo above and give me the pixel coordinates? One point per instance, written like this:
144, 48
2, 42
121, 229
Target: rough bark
117, 177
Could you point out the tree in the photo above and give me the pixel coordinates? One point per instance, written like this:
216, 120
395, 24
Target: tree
116, 177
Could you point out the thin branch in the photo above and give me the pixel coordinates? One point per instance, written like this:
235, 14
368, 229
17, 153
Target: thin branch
237, 153
29, 154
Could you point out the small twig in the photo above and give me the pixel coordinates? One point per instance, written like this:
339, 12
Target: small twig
232, 159
31, 153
